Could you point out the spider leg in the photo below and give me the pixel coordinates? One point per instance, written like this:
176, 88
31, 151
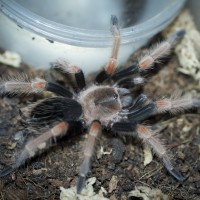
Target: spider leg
133, 69
36, 145
142, 113
154, 55
161, 50
112, 63
94, 132
177, 104
21, 84
147, 136
58, 89
65, 67
139, 102
140, 110
143, 109
124, 127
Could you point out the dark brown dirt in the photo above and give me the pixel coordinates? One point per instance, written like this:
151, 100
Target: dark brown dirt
41, 177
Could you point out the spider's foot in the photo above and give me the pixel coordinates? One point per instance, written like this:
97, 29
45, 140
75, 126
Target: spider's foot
177, 175
176, 36
80, 184
196, 103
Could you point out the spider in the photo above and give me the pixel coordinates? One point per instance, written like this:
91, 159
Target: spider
107, 103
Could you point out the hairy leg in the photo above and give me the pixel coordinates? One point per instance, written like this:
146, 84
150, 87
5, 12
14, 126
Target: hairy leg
94, 132
143, 108
22, 84
65, 67
147, 136
153, 56
112, 63
177, 104
37, 145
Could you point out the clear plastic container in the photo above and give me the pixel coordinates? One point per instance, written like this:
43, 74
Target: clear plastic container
79, 31
194, 6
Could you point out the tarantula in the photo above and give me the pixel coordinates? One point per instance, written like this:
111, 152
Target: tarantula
107, 103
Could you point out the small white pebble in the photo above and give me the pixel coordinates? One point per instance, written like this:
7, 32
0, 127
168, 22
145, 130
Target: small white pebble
10, 58
42, 145
113, 184
148, 157
147, 193
86, 194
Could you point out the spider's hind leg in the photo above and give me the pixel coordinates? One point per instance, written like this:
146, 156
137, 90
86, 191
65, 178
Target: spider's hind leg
94, 132
147, 136
66, 68
154, 55
36, 145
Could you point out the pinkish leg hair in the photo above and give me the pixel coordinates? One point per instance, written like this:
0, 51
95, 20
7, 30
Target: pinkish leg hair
147, 136
37, 145
94, 133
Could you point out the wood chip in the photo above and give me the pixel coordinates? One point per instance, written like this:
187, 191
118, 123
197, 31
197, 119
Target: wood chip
113, 184
148, 157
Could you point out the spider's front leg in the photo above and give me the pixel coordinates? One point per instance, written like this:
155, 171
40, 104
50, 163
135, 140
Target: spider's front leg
154, 55
112, 63
22, 84
36, 145
94, 132
64, 67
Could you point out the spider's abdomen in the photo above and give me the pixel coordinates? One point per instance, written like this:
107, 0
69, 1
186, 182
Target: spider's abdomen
55, 109
100, 103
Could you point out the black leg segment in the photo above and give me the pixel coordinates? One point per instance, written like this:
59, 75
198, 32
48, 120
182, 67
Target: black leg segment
59, 90
143, 113
80, 79
133, 69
